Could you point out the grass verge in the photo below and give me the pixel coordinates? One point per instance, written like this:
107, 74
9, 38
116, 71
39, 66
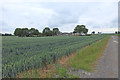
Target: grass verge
86, 58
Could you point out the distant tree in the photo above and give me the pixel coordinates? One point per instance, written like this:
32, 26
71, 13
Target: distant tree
99, 32
36, 32
116, 32
85, 30
25, 32
47, 32
93, 32
6, 34
47, 29
18, 32
40, 34
33, 32
74, 32
80, 29
56, 31
50, 33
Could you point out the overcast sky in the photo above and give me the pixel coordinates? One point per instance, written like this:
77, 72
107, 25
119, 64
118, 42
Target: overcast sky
97, 16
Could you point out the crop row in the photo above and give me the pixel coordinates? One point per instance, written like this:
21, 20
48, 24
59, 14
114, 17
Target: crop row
20, 54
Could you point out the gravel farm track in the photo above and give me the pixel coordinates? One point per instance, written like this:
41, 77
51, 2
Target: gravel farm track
107, 66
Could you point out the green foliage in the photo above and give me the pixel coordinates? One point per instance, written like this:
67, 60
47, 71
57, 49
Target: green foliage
117, 32
22, 54
56, 31
62, 72
6, 34
47, 32
33, 31
93, 32
25, 32
73, 76
80, 29
17, 32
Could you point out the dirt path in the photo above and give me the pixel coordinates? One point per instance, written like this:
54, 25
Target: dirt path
107, 65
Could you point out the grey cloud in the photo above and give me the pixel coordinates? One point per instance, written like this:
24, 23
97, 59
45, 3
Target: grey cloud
66, 15
114, 23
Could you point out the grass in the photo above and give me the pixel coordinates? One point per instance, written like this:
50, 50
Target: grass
86, 58
62, 72
118, 34
73, 76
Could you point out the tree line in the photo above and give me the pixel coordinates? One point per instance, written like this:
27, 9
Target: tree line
6, 34
25, 32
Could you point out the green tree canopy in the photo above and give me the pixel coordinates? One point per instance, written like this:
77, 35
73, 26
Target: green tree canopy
80, 29
18, 32
56, 31
25, 32
33, 31
22, 32
93, 32
47, 31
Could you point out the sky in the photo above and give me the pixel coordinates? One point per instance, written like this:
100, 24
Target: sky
98, 16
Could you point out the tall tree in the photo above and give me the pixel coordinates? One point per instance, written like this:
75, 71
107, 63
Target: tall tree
47, 32
80, 29
21, 32
33, 32
24, 32
116, 32
93, 32
36, 32
18, 32
56, 31
85, 30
